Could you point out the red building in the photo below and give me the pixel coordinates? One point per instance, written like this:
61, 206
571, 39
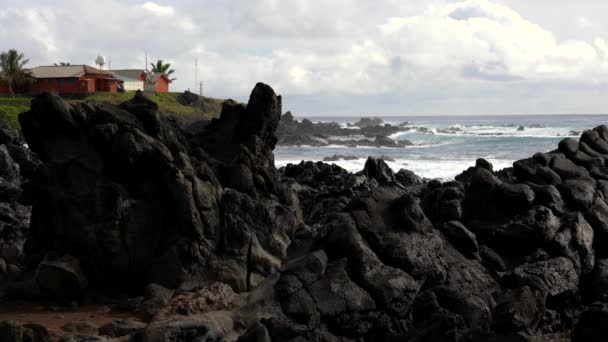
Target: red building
162, 83
67, 79
86, 79
158, 82
3, 87
72, 79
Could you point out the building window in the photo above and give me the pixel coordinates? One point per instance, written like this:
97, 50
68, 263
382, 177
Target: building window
61, 82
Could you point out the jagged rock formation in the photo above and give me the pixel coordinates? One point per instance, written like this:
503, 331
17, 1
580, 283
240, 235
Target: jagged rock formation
137, 201
17, 164
311, 252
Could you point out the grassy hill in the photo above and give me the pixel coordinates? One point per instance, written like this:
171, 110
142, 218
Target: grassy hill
206, 107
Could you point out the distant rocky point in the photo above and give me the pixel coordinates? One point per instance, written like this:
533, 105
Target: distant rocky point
292, 132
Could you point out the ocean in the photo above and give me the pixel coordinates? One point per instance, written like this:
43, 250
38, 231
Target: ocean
447, 145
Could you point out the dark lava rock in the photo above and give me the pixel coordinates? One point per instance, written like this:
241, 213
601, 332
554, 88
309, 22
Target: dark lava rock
130, 197
554, 277
17, 164
189, 329
119, 328
11, 331
337, 157
461, 238
407, 178
292, 132
598, 282
530, 170
60, 278
137, 201
480, 162
516, 310
378, 170
592, 325
80, 327
578, 194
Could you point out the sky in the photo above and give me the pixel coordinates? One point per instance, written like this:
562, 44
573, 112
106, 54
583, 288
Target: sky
342, 57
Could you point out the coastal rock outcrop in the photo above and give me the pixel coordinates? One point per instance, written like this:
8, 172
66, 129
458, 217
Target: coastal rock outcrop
292, 132
227, 247
136, 200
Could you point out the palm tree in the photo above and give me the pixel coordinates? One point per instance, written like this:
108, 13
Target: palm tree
163, 68
62, 64
11, 65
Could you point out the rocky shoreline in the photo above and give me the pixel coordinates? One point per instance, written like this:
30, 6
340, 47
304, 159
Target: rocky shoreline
372, 132
180, 233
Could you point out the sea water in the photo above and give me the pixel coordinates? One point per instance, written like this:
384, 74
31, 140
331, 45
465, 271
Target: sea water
447, 145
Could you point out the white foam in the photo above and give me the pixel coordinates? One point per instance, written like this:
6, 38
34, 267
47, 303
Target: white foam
434, 169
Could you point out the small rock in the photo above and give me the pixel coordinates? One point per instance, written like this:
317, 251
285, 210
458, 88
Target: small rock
61, 278
461, 238
480, 162
129, 304
119, 328
104, 310
592, 325
13, 269
516, 310
81, 327
11, 331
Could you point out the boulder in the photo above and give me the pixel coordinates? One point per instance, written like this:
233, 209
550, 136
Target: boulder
592, 325
480, 162
595, 141
190, 329
595, 289
9, 170
568, 147
378, 170
444, 203
60, 278
407, 178
566, 169
119, 328
574, 239
578, 194
548, 196
516, 197
461, 238
11, 331
530, 170
80, 327
553, 277
516, 310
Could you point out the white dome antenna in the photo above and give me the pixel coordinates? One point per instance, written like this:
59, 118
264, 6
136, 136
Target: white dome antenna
100, 61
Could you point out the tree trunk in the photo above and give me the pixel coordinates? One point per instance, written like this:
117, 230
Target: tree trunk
10, 89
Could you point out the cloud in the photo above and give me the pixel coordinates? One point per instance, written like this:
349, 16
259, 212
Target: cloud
584, 22
465, 56
487, 40
158, 10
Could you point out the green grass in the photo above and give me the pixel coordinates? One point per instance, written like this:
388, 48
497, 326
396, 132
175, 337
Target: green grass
207, 107
10, 108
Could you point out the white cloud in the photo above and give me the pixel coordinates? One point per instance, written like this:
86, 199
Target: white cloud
427, 56
493, 37
158, 10
584, 22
